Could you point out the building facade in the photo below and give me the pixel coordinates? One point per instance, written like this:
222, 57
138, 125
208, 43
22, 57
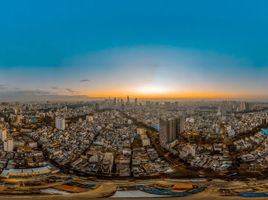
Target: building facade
9, 145
169, 130
60, 123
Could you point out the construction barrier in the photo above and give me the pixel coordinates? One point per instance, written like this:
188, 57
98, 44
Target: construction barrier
254, 194
168, 192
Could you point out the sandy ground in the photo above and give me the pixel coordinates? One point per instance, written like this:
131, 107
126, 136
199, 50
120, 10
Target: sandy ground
148, 198
106, 189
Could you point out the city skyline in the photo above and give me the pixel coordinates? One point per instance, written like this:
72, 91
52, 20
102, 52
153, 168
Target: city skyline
138, 49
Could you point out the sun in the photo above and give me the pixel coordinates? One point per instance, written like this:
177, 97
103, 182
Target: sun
152, 89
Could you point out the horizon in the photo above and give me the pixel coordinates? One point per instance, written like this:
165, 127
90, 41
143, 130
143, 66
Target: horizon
148, 50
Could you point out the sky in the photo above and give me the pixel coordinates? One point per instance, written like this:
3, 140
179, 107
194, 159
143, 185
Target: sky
138, 48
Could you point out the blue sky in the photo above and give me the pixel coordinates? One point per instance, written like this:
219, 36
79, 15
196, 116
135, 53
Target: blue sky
52, 43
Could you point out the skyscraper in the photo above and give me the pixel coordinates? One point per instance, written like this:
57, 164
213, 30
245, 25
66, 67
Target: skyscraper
127, 99
182, 123
60, 123
263, 121
136, 101
169, 129
244, 106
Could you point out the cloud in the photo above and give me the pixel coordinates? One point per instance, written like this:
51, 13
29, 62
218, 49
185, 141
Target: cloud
54, 88
37, 95
30, 92
84, 80
2, 87
70, 90
22, 94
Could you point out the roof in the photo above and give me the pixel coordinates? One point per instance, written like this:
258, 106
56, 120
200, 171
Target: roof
264, 131
182, 186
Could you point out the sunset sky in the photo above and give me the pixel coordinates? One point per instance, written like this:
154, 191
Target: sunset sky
141, 48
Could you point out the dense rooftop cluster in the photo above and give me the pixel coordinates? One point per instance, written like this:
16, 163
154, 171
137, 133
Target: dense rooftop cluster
114, 138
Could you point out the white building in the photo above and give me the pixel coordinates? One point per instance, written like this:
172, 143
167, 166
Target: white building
141, 131
60, 123
144, 138
230, 131
90, 118
146, 142
9, 144
107, 163
3, 134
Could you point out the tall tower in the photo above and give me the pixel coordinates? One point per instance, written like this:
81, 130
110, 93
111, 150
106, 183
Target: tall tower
127, 99
136, 101
244, 106
163, 132
169, 129
182, 124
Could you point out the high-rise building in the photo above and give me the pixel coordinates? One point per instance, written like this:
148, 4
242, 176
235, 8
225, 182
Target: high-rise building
148, 103
244, 106
3, 134
18, 119
182, 123
8, 145
60, 123
169, 129
107, 163
136, 101
97, 106
15, 111
127, 99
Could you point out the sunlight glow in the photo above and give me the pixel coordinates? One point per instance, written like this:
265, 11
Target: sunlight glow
152, 89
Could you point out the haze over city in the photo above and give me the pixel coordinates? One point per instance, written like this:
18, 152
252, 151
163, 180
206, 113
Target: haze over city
151, 49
